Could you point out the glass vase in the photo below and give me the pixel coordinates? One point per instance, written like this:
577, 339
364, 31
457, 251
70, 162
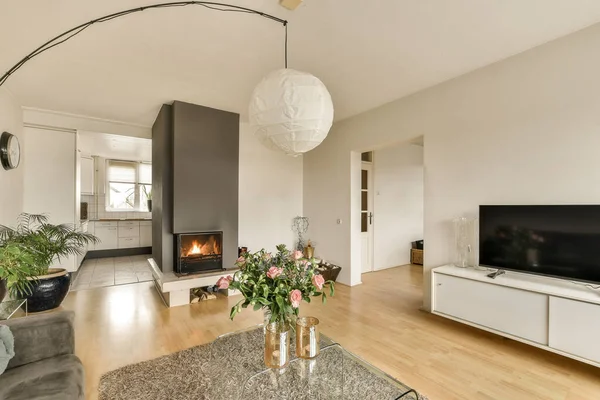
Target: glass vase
307, 337
266, 318
464, 240
277, 345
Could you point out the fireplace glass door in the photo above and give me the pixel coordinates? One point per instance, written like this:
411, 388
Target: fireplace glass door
199, 252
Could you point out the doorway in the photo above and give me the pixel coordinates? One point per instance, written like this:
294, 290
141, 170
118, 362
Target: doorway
391, 206
366, 212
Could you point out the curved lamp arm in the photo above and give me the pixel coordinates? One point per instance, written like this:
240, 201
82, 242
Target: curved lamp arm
63, 37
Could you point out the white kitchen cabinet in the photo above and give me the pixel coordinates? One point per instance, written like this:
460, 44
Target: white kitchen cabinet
129, 242
128, 224
87, 175
84, 228
146, 234
91, 228
129, 231
79, 259
129, 234
103, 224
107, 233
121, 234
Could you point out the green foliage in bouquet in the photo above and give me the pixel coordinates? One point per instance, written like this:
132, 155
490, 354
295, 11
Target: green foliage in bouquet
276, 283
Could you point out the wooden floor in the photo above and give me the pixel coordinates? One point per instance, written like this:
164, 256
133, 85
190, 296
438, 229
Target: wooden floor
378, 320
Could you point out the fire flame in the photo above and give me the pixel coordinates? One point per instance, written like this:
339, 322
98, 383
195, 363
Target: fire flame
195, 249
208, 248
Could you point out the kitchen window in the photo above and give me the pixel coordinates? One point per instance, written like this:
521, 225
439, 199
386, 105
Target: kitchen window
129, 184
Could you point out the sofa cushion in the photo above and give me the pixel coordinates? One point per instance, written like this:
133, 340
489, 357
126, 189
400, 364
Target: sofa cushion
7, 347
57, 378
41, 336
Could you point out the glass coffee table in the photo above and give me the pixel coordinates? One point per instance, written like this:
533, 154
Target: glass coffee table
11, 307
232, 368
334, 374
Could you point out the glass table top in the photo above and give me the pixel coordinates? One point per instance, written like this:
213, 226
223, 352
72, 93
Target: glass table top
10, 307
334, 374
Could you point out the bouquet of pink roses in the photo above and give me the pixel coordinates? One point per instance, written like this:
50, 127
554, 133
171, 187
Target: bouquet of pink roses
276, 283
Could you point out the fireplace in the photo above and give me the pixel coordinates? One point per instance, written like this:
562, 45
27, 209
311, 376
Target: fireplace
198, 252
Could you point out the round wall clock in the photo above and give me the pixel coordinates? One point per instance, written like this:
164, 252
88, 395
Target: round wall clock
10, 151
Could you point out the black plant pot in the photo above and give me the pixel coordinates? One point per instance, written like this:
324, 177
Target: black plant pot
149, 205
2, 289
49, 291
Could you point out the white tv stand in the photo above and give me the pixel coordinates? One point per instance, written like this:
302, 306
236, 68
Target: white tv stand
553, 314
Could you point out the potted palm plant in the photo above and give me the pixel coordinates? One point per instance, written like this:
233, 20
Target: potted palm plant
148, 193
15, 266
40, 244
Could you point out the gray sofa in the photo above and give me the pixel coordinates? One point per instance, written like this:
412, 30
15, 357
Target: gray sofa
44, 366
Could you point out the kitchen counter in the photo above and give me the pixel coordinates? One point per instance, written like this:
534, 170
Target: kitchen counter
121, 219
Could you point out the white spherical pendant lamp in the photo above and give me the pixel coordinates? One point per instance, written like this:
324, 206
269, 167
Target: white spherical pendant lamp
291, 111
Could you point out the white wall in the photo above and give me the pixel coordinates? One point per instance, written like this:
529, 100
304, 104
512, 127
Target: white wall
270, 194
11, 182
49, 178
120, 141
522, 131
270, 182
398, 203
57, 119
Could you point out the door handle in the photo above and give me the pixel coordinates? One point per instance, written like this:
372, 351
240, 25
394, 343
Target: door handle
370, 218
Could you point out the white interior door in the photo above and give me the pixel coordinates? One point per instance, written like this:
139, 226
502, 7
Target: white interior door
366, 216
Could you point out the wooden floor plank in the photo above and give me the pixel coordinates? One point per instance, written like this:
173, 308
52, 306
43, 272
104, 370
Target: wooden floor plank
379, 320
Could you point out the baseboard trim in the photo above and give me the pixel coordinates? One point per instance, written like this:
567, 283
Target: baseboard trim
136, 251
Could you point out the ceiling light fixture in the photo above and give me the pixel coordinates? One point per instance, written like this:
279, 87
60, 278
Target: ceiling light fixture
290, 4
290, 110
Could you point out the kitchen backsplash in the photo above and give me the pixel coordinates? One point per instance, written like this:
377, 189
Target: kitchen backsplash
97, 209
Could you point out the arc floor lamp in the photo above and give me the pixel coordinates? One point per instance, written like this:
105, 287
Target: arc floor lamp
290, 111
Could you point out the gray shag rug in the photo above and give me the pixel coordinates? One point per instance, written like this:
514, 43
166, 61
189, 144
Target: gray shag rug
232, 367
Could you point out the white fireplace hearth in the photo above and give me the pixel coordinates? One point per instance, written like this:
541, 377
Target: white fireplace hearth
175, 290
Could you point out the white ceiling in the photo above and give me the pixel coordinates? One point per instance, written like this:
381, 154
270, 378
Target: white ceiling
115, 146
367, 52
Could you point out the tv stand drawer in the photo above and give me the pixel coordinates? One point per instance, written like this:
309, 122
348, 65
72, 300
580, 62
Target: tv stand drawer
513, 311
575, 327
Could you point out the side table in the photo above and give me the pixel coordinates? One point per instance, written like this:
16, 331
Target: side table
9, 307
416, 256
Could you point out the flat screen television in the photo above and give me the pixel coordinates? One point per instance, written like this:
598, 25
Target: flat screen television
561, 241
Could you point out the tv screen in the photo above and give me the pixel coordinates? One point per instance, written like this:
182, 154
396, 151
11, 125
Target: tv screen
560, 241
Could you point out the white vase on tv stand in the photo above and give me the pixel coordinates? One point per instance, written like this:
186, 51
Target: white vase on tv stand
464, 241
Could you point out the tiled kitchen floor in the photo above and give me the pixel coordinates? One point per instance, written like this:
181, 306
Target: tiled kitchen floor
101, 272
